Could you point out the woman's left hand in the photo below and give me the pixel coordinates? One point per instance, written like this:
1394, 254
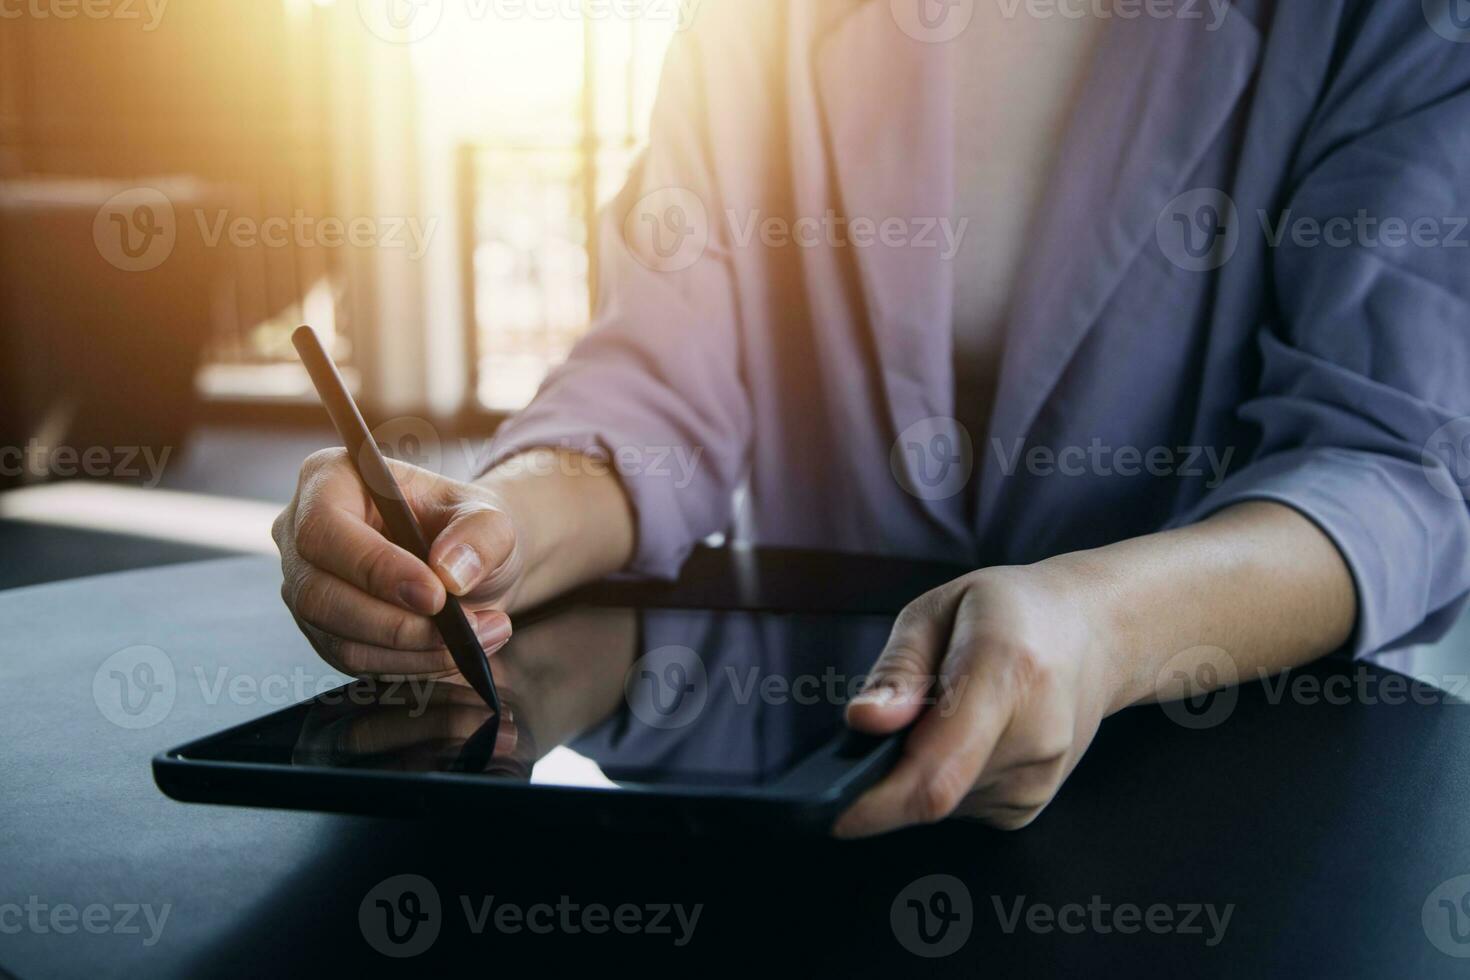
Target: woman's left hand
1007, 680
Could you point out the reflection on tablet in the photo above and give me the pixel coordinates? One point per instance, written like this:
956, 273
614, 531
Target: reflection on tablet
598, 697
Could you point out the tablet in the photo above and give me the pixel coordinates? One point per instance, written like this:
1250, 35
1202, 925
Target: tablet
642, 719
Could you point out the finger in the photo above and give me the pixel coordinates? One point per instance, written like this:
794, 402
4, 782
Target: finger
1041, 735
921, 789
349, 549
341, 609
943, 755
376, 663
474, 551
900, 680
1022, 787
332, 531
1002, 816
364, 660
368, 661
1014, 799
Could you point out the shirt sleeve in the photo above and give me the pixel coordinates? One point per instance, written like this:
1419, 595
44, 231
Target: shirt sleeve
1365, 384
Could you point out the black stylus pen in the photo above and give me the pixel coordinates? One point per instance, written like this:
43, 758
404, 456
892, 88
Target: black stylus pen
403, 526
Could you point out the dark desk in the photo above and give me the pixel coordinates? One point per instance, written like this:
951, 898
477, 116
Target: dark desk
1328, 826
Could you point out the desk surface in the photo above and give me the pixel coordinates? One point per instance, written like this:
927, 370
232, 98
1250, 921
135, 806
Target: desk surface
1329, 825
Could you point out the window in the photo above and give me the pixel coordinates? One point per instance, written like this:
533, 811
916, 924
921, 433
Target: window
510, 124
548, 117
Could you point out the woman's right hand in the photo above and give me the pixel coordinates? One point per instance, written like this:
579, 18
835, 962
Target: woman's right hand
365, 603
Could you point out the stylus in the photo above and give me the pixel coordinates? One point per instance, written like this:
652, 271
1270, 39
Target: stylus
398, 517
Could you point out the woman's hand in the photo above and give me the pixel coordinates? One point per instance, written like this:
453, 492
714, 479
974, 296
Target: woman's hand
534, 527
1007, 683
365, 603
1022, 663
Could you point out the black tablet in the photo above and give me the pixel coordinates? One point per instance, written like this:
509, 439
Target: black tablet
644, 719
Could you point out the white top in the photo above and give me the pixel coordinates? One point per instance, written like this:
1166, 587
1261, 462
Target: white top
1016, 80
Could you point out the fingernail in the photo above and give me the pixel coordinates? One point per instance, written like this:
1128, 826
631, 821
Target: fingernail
462, 565
418, 597
506, 738
494, 632
883, 694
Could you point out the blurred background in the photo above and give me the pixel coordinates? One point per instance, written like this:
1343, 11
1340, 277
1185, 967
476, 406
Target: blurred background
183, 182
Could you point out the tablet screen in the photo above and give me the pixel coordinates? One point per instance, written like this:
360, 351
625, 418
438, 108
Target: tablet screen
598, 697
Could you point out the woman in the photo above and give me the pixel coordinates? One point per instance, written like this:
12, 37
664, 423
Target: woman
1101, 301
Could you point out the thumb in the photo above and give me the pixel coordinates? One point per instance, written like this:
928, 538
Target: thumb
898, 685
474, 551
